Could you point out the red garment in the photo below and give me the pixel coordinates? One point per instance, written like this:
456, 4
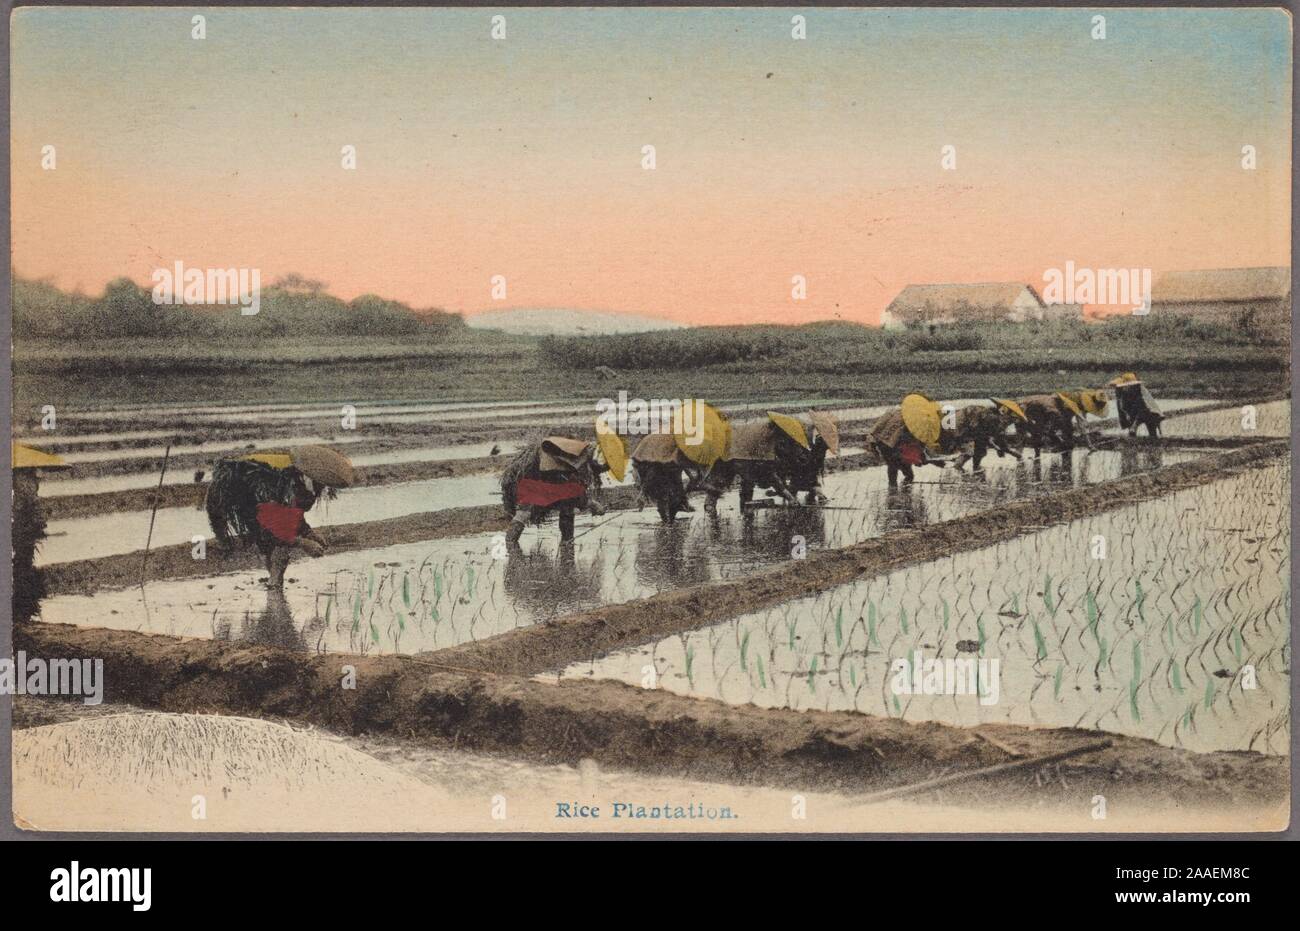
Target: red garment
538, 493
282, 521
911, 453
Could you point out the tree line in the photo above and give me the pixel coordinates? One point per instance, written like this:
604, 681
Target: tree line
290, 306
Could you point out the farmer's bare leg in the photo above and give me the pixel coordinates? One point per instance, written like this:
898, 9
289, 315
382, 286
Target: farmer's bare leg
522, 516
783, 490
566, 524
684, 501
277, 561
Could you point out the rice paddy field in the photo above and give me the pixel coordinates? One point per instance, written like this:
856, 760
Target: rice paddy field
1178, 634
1149, 640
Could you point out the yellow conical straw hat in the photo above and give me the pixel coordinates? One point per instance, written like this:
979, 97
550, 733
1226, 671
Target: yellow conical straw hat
716, 441
614, 448
25, 457
1093, 401
791, 428
921, 417
1069, 404
1011, 406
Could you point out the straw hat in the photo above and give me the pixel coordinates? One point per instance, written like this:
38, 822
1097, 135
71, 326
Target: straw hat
563, 452
716, 442
828, 429
324, 465
656, 447
1093, 401
1128, 378
921, 417
1073, 408
1011, 406
25, 457
791, 428
614, 449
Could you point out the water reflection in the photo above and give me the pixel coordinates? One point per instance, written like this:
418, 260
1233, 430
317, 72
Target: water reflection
273, 627
547, 583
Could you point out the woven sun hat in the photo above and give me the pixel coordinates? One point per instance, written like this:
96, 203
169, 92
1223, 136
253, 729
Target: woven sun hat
1128, 378
1068, 401
1093, 401
1012, 406
921, 417
828, 429
791, 427
715, 443
563, 452
324, 465
25, 457
656, 447
614, 448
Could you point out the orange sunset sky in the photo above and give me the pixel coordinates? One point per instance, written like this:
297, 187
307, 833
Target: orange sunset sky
522, 156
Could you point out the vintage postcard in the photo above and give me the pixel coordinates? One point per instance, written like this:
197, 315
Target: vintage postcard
642, 420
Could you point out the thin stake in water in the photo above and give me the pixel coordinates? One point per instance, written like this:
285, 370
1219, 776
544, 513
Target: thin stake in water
144, 559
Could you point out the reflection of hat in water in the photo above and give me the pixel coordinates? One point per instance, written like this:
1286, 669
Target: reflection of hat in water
25, 457
828, 429
1128, 378
563, 452
324, 465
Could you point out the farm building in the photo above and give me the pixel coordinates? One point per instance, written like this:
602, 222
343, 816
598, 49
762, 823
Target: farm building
1236, 296
935, 305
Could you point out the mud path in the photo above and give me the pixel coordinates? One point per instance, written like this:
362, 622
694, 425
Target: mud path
550, 646
648, 730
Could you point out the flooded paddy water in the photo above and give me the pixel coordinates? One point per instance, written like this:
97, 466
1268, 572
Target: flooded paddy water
1163, 638
1271, 419
424, 596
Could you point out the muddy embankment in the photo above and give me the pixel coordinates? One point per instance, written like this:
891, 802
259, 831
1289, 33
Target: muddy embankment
581, 636
652, 731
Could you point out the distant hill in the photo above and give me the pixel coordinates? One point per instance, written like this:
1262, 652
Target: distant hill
559, 322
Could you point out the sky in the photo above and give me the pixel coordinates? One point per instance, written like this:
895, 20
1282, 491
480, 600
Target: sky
523, 157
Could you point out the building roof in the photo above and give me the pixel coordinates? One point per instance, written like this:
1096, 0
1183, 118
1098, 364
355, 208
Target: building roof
1222, 284
918, 301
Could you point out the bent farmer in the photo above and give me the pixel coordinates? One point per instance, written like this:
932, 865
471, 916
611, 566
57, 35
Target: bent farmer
556, 473
1137, 408
904, 437
262, 499
28, 528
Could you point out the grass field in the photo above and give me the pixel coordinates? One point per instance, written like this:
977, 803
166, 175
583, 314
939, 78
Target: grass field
836, 360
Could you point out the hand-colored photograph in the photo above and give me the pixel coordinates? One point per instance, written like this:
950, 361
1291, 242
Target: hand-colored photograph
650, 420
